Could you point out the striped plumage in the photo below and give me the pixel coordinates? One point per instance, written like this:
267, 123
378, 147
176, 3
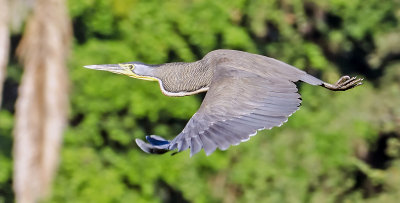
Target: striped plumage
246, 92
185, 78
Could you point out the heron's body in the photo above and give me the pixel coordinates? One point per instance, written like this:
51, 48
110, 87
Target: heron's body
182, 79
246, 92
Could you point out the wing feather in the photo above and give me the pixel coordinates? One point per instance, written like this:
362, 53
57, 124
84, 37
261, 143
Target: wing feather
209, 145
195, 145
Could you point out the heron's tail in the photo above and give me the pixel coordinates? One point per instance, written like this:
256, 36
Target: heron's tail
156, 145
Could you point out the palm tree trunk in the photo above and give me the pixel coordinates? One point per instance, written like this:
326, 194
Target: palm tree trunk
41, 108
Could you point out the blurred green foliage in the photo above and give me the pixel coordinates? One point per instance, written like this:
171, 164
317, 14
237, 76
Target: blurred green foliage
339, 147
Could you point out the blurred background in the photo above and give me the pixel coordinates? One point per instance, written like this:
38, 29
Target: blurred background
339, 147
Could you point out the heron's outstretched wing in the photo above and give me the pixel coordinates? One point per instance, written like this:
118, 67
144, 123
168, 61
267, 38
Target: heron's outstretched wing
237, 104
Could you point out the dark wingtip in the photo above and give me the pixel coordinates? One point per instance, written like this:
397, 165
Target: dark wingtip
156, 140
150, 148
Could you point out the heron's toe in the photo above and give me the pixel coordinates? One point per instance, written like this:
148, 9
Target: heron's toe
349, 83
342, 80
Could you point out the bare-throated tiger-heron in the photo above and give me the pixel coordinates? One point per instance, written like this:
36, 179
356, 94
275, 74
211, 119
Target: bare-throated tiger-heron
245, 93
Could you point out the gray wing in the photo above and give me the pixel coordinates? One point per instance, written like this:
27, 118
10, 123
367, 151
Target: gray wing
237, 104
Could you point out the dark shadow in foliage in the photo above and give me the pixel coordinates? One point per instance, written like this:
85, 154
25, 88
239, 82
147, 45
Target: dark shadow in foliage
377, 156
115, 145
5, 134
14, 41
333, 21
173, 56
76, 119
131, 185
10, 94
168, 194
376, 159
107, 140
387, 60
81, 33
10, 88
5, 144
6, 191
350, 62
356, 59
196, 50
176, 125
80, 30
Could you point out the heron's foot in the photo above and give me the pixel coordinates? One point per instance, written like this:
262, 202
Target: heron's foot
344, 83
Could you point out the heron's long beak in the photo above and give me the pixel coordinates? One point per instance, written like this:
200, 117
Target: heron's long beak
115, 68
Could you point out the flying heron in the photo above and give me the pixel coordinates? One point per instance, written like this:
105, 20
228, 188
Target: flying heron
245, 93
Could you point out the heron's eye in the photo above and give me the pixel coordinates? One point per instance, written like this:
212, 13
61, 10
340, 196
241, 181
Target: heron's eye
131, 66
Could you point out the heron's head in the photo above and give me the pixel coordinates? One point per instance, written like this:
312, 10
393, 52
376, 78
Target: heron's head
131, 69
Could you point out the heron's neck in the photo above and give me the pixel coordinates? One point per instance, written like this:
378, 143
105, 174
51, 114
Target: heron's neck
184, 77
175, 69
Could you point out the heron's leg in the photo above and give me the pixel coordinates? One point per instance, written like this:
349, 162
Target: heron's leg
344, 83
